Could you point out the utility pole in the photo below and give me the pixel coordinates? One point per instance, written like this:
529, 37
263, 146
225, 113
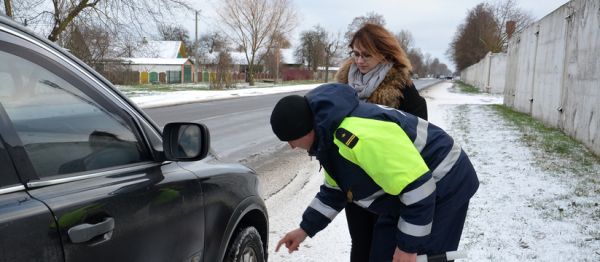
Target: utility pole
276, 62
196, 48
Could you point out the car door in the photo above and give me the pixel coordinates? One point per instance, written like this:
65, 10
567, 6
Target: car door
18, 231
88, 156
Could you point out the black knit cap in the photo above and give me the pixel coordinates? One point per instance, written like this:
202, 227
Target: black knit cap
291, 118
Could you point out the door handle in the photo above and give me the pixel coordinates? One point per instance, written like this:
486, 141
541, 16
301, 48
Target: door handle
85, 232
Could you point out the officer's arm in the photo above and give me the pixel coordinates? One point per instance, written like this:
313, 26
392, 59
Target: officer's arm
325, 206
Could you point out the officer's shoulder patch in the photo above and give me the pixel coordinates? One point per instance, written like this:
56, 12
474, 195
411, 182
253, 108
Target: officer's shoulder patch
346, 137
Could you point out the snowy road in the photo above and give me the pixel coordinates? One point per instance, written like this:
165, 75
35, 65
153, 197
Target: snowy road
523, 210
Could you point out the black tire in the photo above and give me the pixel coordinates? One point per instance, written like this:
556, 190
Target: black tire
247, 247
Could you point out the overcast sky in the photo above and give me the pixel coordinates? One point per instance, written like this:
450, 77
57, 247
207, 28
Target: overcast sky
432, 23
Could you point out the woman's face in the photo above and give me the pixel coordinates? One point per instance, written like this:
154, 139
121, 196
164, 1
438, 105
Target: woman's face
364, 60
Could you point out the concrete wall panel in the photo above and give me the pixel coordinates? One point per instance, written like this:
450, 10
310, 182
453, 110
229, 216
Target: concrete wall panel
549, 67
581, 109
488, 74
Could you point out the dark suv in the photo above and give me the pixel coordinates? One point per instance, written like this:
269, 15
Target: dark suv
87, 176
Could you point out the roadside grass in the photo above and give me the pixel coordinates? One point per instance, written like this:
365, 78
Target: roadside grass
554, 144
566, 159
466, 88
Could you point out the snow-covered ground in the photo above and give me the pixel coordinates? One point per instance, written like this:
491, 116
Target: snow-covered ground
523, 210
173, 98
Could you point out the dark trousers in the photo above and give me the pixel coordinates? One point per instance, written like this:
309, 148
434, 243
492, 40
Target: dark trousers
360, 224
374, 237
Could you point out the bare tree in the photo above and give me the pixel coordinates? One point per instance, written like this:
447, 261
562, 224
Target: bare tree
213, 42
312, 47
8, 8
22, 10
90, 43
223, 72
178, 33
475, 37
273, 59
416, 60
332, 45
174, 33
505, 11
405, 38
359, 21
484, 30
111, 13
254, 23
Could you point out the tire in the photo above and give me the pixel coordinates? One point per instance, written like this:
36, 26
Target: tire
247, 247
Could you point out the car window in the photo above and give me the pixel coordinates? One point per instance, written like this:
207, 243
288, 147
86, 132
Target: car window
63, 130
8, 177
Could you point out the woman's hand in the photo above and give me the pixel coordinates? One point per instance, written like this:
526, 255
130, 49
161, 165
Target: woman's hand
401, 256
292, 240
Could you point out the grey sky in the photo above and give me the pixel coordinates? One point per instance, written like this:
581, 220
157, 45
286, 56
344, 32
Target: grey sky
432, 23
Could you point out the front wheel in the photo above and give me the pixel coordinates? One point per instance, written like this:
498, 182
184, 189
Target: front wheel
247, 247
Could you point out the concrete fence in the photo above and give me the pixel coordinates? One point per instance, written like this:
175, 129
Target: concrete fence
489, 74
553, 71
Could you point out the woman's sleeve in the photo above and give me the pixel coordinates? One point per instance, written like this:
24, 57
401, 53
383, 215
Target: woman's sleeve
413, 103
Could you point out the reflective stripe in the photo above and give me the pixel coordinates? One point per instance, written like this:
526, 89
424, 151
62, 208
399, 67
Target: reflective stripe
421, 138
442, 169
367, 201
331, 186
419, 193
414, 230
325, 210
390, 109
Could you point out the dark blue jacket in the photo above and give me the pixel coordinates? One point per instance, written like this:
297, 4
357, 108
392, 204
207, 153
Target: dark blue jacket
385, 160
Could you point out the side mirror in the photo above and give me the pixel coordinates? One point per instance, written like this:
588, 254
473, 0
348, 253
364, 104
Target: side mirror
185, 141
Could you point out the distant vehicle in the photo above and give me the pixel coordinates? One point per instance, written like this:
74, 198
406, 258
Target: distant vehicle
87, 176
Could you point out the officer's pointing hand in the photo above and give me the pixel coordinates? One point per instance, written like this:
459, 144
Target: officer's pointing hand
292, 240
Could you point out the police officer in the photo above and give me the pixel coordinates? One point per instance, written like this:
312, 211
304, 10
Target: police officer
407, 171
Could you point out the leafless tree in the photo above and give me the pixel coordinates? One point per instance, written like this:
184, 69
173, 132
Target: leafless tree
90, 43
173, 33
416, 60
359, 21
223, 72
505, 11
213, 42
8, 8
274, 58
21, 10
475, 37
332, 45
484, 30
438, 69
312, 47
405, 38
254, 23
178, 33
114, 14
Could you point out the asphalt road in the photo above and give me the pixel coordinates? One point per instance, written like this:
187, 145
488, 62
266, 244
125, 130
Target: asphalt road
239, 127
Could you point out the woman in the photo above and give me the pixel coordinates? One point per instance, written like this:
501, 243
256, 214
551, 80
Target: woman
380, 72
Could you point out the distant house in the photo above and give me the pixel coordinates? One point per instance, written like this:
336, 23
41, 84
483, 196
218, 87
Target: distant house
208, 64
330, 71
160, 62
